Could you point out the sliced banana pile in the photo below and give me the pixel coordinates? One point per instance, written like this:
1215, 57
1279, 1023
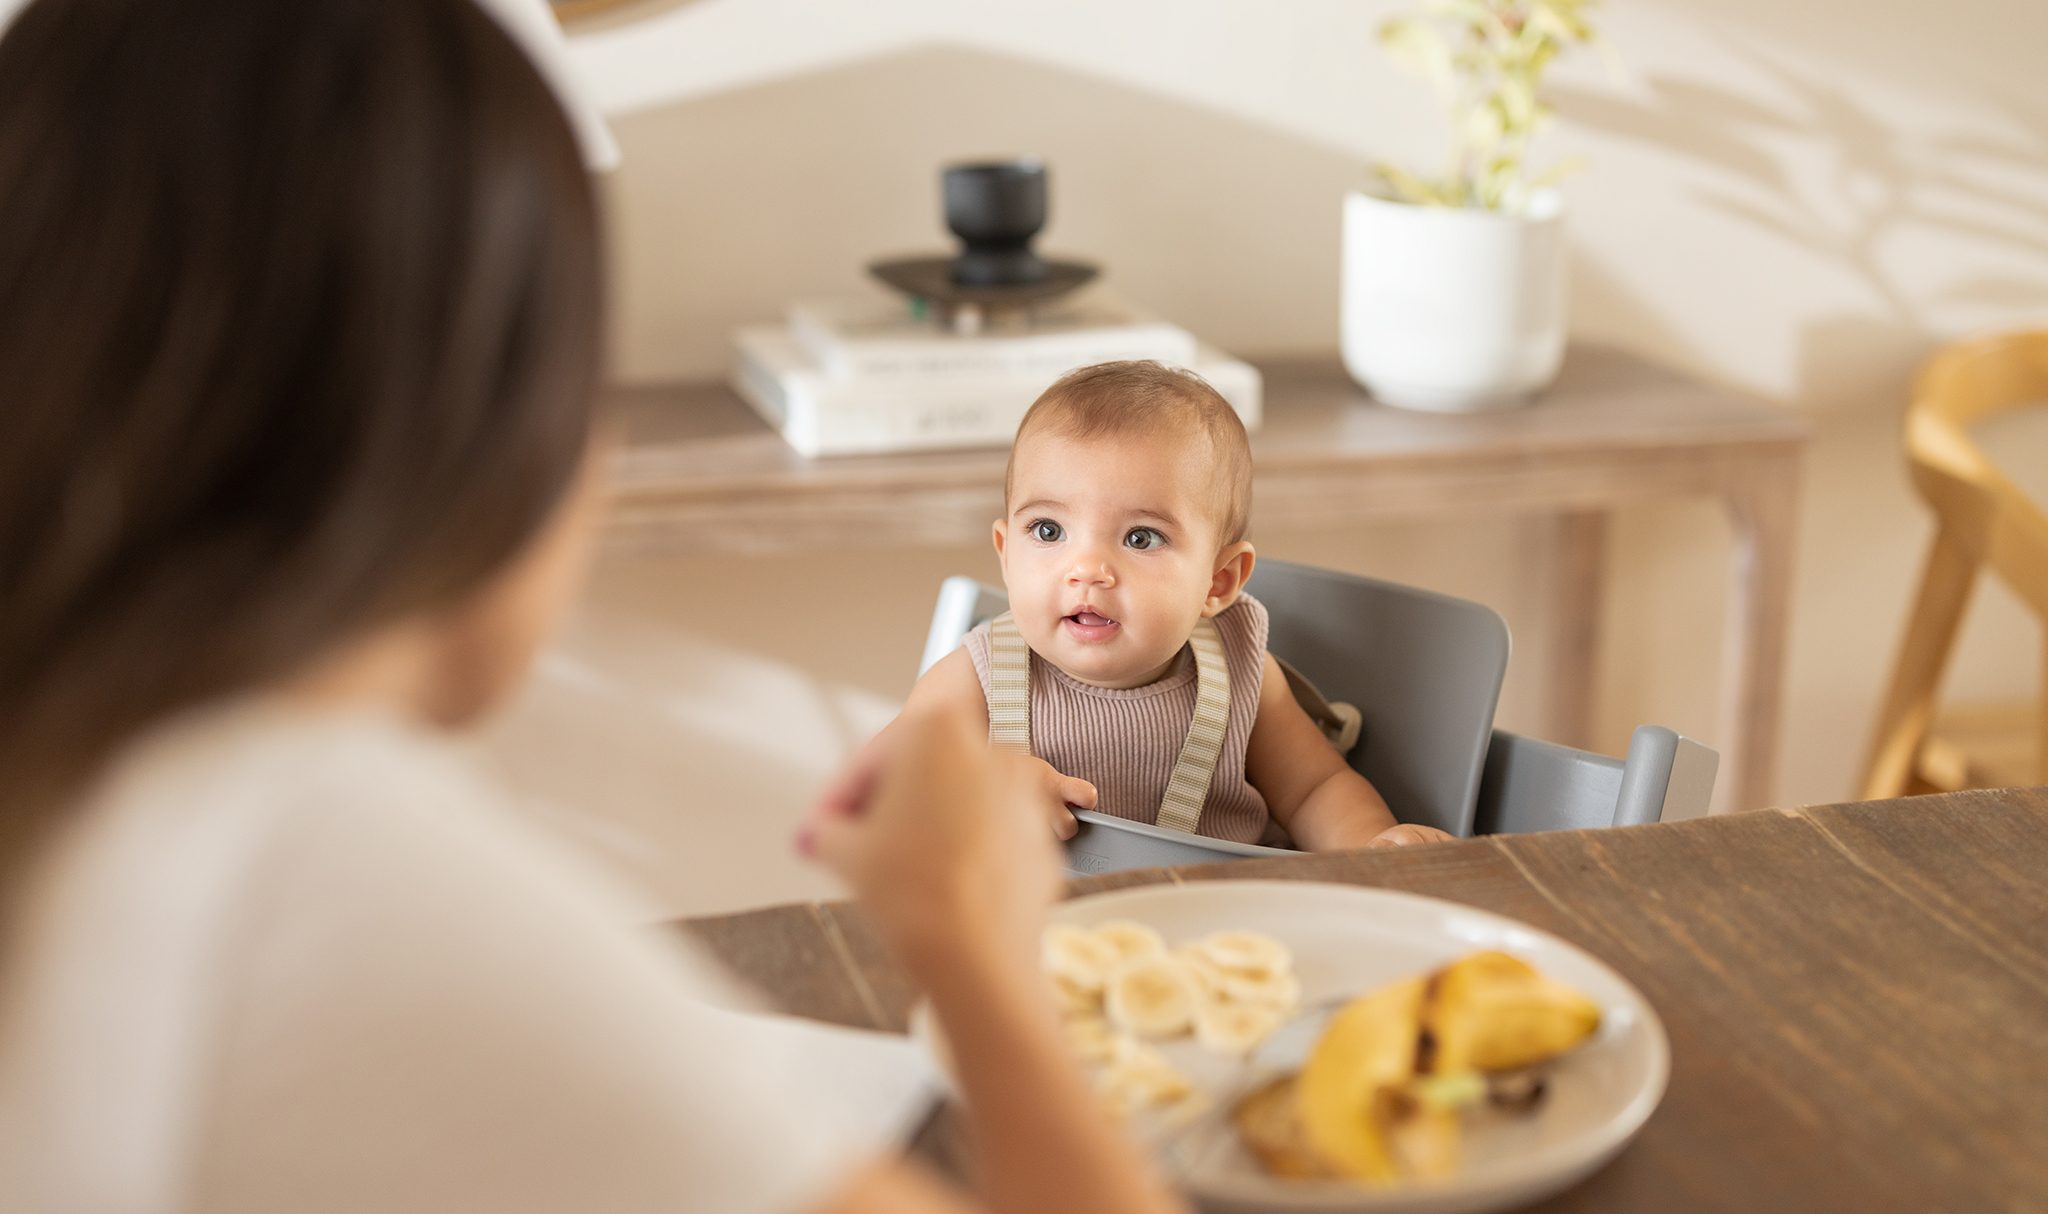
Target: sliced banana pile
1119, 986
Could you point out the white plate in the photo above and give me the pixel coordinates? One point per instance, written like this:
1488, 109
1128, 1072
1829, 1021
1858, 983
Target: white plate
1349, 939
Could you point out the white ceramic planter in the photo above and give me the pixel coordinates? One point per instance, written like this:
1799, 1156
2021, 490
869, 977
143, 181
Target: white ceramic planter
1452, 310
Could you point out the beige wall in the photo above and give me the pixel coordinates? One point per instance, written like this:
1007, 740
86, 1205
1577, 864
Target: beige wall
1779, 197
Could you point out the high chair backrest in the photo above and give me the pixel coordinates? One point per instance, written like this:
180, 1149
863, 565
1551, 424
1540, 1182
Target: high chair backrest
1533, 785
1424, 670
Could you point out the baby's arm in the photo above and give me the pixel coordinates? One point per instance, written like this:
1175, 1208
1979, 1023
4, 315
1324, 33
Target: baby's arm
951, 688
1324, 805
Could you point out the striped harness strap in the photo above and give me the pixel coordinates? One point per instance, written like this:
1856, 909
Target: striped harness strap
1009, 715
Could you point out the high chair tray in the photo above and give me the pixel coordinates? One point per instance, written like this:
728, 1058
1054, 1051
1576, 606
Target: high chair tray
1106, 844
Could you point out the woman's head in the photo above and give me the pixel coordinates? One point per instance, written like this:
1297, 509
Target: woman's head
301, 323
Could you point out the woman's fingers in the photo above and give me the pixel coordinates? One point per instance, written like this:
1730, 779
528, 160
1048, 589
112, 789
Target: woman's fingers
845, 796
850, 788
944, 842
831, 840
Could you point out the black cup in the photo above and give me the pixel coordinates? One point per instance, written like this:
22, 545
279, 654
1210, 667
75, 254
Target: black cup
996, 208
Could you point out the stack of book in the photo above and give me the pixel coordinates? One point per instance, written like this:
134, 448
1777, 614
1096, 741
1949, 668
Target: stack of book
870, 374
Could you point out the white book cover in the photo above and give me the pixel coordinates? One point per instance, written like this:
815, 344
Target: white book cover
819, 415
878, 336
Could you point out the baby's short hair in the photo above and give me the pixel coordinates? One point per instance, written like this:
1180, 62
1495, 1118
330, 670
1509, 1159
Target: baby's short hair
1114, 399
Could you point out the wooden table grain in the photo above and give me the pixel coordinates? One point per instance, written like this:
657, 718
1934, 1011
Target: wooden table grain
698, 470
1856, 995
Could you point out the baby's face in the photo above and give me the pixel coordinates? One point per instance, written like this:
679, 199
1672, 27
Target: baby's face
1109, 551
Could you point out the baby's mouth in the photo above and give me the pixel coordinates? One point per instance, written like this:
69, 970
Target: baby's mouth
1090, 627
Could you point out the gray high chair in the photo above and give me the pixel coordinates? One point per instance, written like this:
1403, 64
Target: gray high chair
1424, 671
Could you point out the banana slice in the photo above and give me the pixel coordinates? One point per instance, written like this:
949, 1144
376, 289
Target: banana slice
1236, 1028
1091, 1038
1184, 1111
1152, 998
1141, 1079
1131, 1052
1072, 1000
1248, 952
1281, 991
1077, 955
1132, 941
1205, 975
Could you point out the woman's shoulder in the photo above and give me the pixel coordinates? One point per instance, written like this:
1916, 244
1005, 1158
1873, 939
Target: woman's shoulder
364, 823
342, 824
267, 786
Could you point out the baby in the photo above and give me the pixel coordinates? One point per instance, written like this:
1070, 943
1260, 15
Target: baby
1132, 665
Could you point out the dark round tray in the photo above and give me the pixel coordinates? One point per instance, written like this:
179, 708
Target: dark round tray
931, 279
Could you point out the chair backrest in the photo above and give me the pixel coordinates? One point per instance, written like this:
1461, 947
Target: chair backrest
1531, 785
1423, 669
963, 604
1973, 501
1983, 520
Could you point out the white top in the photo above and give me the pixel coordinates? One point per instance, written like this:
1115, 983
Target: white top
279, 962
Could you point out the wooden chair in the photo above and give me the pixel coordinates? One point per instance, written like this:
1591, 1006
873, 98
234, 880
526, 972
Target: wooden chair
1983, 522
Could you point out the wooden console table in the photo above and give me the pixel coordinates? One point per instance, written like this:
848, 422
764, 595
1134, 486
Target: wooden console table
699, 469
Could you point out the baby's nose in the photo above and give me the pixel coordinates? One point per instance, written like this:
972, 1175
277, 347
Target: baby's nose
1091, 571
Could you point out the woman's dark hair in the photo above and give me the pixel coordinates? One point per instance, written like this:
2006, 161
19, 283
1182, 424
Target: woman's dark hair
299, 324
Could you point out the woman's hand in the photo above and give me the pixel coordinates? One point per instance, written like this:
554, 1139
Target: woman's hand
943, 843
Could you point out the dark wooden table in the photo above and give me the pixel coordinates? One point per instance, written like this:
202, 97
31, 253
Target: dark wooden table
1857, 995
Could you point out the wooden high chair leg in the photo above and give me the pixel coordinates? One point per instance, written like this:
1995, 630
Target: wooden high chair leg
1930, 634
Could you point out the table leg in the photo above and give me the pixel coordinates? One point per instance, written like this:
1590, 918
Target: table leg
1764, 510
1574, 661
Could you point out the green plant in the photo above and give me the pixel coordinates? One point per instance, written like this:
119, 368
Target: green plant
1487, 59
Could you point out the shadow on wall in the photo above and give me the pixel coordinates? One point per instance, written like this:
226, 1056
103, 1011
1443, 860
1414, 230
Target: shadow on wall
1881, 187
734, 204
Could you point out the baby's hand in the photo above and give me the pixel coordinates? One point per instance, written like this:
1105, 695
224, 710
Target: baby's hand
1408, 834
1060, 793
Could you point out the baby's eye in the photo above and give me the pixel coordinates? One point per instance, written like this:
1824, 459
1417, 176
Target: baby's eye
1045, 531
1144, 539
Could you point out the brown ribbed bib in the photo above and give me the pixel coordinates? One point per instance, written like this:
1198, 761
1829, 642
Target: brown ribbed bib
1150, 754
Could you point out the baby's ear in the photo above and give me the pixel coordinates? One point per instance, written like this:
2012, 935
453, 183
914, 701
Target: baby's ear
1233, 570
